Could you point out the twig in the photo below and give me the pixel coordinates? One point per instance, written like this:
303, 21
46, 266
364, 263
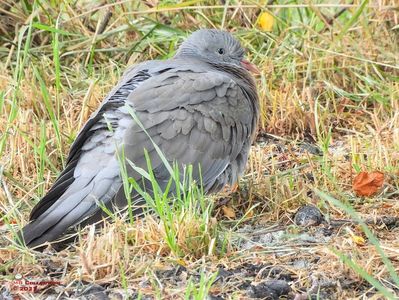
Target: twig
317, 285
247, 6
5, 188
104, 22
384, 220
338, 14
330, 21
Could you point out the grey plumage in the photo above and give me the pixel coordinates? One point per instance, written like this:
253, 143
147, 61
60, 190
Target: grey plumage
200, 107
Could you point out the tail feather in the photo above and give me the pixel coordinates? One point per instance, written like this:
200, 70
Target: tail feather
63, 182
57, 219
46, 202
78, 203
54, 232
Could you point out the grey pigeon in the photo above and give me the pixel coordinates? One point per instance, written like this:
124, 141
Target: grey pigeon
200, 107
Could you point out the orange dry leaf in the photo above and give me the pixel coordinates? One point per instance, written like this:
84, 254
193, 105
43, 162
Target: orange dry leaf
249, 214
367, 184
228, 212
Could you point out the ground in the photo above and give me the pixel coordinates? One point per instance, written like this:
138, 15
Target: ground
294, 228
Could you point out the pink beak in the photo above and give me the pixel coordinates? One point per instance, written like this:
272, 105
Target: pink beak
250, 67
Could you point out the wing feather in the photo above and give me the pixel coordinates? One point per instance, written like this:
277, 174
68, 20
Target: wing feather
204, 129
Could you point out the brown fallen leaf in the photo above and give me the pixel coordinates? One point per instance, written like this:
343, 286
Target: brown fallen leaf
367, 184
249, 214
228, 212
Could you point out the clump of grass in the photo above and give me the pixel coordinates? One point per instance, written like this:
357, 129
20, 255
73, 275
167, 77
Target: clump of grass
375, 282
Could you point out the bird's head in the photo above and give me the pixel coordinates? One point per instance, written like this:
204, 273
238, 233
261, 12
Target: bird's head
217, 47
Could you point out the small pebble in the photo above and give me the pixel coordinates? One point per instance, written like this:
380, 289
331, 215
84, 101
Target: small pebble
308, 215
271, 289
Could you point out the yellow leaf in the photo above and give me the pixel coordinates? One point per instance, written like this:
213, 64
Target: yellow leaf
266, 21
229, 212
181, 262
358, 240
249, 214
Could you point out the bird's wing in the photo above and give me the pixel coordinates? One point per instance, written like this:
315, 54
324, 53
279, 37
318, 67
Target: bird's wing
200, 118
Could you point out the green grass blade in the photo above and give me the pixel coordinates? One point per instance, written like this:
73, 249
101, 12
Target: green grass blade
51, 29
352, 20
158, 150
18, 74
349, 210
57, 66
359, 270
49, 109
42, 157
2, 99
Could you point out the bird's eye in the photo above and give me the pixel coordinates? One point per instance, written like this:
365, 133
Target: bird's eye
221, 51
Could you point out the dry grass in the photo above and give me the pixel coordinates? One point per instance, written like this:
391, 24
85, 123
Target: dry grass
326, 83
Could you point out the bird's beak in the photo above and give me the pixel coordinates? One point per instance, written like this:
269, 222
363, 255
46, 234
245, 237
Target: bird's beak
250, 67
